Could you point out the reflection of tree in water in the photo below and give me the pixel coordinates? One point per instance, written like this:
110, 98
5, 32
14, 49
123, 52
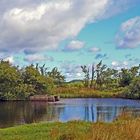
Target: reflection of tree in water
13, 113
107, 113
10, 113
33, 111
130, 112
40, 111
86, 113
90, 113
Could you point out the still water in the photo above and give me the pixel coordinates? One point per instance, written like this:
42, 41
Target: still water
106, 110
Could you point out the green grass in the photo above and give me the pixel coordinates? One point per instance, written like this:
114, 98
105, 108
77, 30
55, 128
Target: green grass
75, 92
75, 130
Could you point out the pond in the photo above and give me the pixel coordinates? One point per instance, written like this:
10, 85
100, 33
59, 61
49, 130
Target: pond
88, 109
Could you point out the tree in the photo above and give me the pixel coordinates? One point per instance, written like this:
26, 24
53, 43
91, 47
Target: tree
110, 77
133, 91
134, 71
56, 76
127, 75
92, 75
100, 68
43, 70
85, 70
32, 77
9, 79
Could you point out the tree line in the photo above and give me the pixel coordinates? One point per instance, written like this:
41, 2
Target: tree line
20, 83
101, 77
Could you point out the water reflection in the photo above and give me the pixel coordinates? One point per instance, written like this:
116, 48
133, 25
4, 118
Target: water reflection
16, 113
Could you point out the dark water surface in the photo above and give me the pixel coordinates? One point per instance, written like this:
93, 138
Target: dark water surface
106, 110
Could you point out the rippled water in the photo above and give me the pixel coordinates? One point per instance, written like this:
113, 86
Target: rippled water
106, 110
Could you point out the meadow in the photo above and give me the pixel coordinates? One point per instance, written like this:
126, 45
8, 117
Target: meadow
123, 129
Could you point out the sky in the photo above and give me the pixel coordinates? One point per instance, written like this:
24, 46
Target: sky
70, 33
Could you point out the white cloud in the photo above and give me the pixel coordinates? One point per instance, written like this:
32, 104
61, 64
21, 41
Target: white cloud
44, 25
74, 45
120, 64
79, 74
34, 26
115, 63
71, 71
10, 59
37, 58
129, 35
117, 6
125, 63
94, 49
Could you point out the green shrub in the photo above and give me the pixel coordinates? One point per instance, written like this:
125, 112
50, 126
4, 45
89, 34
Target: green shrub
133, 90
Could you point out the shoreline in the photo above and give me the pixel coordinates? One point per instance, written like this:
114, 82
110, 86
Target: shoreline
69, 98
81, 93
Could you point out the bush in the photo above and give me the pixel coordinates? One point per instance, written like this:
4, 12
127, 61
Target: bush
19, 84
133, 90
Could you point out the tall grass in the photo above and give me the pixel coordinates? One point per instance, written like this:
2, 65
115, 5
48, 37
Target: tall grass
75, 130
76, 92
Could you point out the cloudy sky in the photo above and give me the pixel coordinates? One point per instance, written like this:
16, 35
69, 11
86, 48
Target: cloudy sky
70, 33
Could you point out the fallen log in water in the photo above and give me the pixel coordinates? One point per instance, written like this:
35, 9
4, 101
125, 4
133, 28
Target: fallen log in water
44, 98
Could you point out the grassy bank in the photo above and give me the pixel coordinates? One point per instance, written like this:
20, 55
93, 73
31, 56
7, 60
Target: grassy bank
76, 130
75, 92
